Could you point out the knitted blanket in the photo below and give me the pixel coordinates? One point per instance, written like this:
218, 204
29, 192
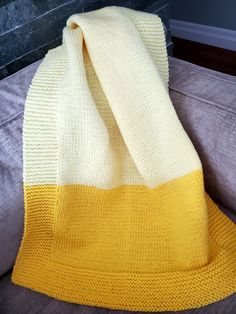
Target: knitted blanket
115, 209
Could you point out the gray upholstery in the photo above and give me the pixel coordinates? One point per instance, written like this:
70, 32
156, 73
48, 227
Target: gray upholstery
205, 102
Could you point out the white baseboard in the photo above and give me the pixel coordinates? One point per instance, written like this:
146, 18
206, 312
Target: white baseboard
214, 36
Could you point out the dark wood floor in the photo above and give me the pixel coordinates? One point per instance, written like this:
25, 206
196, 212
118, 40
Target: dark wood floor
214, 58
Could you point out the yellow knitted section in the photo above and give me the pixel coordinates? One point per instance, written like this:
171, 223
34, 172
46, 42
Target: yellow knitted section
130, 247
133, 228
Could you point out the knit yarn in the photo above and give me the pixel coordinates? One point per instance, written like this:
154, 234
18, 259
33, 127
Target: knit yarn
116, 214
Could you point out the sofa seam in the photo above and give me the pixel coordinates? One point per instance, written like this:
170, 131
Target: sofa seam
11, 118
216, 105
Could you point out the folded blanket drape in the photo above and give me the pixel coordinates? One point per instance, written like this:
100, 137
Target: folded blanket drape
115, 209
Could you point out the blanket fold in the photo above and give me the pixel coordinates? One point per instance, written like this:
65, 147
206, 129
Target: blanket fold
116, 214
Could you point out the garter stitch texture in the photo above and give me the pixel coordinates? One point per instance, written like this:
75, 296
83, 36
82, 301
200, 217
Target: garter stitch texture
115, 209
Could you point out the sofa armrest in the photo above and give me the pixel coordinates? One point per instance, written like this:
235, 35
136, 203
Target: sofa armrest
205, 102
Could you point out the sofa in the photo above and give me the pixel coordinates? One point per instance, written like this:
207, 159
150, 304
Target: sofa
205, 102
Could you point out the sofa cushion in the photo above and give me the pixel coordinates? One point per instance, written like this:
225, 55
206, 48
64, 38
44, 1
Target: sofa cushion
205, 102
210, 121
